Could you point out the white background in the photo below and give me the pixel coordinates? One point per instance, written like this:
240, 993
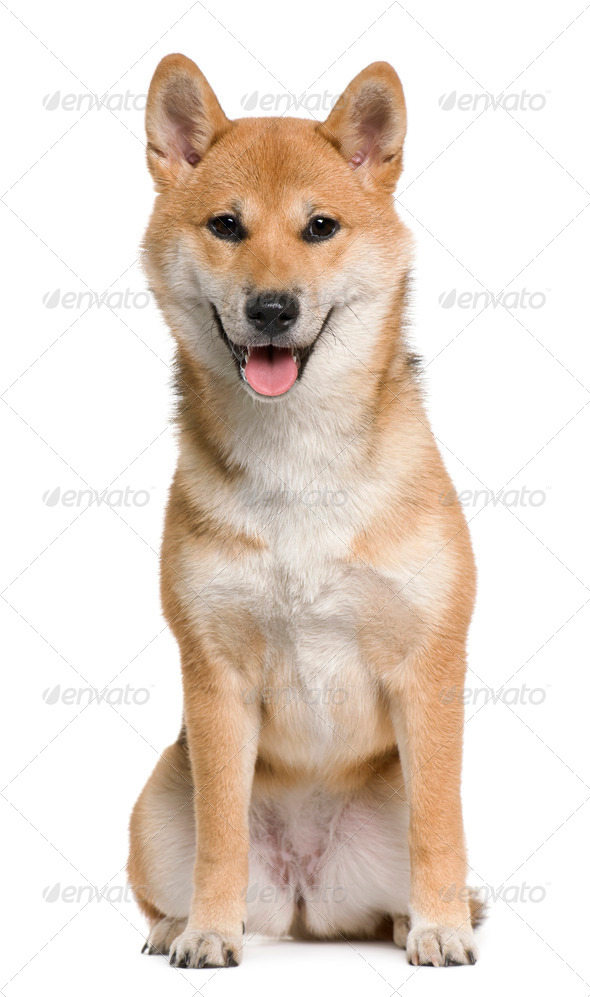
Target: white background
497, 199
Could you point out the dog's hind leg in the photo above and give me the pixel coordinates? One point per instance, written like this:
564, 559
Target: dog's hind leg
162, 847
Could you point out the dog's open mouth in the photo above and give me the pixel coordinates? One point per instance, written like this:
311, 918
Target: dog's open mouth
269, 370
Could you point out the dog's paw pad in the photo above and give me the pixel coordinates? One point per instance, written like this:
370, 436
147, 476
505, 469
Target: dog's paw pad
198, 949
440, 945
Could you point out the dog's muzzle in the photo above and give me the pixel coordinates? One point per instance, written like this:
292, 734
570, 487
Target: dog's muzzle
269, 369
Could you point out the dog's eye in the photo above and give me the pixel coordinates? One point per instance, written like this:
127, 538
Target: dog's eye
320, 228
226, 227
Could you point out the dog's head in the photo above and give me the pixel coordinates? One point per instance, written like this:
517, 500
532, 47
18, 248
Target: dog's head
266, 230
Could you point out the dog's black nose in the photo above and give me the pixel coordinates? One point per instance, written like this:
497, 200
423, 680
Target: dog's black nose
272, 313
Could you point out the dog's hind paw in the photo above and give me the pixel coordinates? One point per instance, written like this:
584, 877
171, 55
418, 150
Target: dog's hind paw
163, 934
440, 945
201, 949
401, 928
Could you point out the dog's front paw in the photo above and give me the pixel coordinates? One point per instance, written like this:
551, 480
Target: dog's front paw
441, 945
200, 949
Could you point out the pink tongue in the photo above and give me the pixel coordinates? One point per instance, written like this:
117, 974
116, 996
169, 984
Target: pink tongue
270, 370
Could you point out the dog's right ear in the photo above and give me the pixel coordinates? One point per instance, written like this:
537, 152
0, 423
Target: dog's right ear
182, 117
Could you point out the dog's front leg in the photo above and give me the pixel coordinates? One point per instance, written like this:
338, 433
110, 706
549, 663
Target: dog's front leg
221, 730
428, 717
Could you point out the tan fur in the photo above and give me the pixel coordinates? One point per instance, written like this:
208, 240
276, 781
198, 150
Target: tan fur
315, 640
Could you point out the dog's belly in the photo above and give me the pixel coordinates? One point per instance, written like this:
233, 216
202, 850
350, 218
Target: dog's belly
324, 863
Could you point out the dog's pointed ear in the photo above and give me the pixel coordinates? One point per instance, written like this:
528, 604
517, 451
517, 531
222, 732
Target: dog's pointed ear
368, 124
182, 117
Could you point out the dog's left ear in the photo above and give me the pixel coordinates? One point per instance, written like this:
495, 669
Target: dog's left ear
368, 124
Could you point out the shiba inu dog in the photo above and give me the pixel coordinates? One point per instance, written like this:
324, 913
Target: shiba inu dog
319, 589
